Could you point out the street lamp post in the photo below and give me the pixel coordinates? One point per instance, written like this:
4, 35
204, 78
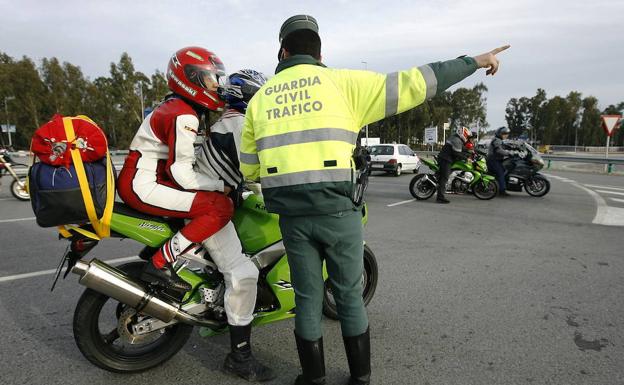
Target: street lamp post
6, 111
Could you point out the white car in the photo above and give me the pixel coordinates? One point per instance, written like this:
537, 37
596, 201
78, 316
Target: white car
393, 158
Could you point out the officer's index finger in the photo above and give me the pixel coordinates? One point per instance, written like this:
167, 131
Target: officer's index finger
500, 49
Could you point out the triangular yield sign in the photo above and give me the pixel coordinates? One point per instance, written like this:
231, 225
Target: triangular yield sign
609, 122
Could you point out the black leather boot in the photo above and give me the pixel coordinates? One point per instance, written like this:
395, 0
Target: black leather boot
358, 356
312, 359
165, 276
240, 362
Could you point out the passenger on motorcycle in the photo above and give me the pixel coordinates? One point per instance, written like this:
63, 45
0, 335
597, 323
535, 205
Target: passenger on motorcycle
158, 178
452, 151
496, 155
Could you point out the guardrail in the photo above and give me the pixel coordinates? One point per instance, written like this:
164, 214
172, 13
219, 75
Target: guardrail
609, 162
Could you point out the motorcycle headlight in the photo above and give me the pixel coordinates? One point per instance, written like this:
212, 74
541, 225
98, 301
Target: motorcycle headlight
538, 162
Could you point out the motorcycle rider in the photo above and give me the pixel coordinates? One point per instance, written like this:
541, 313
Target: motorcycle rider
496, 155
298, 139
452, 151
219, 155
158, 178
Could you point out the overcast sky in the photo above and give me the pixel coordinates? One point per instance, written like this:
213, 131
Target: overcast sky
556, 45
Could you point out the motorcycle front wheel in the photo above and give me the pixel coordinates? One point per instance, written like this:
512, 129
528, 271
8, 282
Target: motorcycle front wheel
537, 186
102, 333
421, 188
18, 189
485, 190
370, 276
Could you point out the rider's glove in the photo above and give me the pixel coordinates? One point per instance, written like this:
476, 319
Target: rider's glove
236, 195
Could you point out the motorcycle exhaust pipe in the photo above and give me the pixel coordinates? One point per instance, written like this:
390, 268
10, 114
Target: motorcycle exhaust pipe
114, 283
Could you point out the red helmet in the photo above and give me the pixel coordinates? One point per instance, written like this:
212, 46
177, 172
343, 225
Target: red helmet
195, 74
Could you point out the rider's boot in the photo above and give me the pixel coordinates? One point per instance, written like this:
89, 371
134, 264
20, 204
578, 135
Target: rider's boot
160, 268
358, 356
240, 362
442, 199
312, 359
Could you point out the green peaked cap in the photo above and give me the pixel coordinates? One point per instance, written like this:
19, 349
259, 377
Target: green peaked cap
297, 22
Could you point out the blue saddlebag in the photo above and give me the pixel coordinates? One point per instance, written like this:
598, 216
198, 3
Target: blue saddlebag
55, 193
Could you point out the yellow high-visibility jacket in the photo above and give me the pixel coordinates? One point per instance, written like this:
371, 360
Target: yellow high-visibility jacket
301, 127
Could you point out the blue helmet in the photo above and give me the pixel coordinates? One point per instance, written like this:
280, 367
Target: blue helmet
241, 87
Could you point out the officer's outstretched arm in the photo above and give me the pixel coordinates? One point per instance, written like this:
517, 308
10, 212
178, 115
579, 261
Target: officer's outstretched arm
376, 96
249, 161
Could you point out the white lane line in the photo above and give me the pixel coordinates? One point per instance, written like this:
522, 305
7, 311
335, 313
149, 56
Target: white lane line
610, 192
52, 271
617, 200
401, 203
605, 187
605, 215
17, 220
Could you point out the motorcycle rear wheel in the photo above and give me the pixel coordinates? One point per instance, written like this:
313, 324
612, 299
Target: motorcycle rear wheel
421, 188
18, 189
370, 277
485, 190
537, 186
106, 349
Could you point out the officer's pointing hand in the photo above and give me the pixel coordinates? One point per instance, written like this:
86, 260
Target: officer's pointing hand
488, 60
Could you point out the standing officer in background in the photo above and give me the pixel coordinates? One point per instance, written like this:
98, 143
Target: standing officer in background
299, 135
454, 149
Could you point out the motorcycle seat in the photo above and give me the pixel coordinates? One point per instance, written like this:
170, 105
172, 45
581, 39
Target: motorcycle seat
124, 209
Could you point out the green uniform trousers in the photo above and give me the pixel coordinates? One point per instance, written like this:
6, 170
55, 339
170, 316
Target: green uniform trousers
337, 239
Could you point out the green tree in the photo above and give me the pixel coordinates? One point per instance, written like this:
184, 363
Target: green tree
518, 115
590, 131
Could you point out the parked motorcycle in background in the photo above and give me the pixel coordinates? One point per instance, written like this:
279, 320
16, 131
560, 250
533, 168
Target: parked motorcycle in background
523, 169
18, 186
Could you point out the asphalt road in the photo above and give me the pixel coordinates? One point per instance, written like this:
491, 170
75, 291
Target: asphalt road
516, 290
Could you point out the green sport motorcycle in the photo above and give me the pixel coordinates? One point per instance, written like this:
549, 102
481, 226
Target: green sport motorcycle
466, 177
123, 324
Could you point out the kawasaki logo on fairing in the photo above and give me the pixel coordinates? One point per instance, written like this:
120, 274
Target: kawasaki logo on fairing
152, 226
260, 206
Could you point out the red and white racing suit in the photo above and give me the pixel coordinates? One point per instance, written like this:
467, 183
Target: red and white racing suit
158, 178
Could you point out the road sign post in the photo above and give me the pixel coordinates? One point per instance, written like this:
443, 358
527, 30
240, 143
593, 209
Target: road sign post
431, 136
609, 123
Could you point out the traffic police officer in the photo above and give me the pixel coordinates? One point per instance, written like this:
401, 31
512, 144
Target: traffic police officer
299, 134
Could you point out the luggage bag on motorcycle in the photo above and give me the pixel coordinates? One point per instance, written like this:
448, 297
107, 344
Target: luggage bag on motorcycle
73, 182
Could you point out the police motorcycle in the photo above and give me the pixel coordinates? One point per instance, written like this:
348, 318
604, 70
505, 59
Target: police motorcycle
523, 166
467, 176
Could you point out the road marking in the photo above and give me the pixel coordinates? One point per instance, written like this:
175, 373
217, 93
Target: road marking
52, 271
610, 192
617, 200
605, 215
17, 220
401, 203
607, 187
